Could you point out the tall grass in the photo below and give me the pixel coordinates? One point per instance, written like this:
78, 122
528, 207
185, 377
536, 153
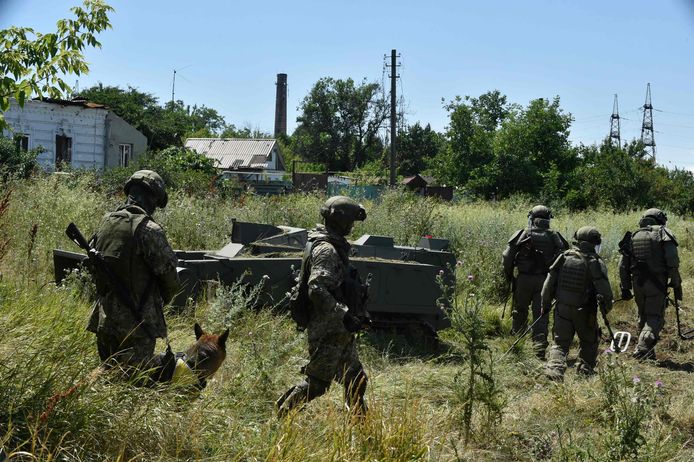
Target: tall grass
414, 398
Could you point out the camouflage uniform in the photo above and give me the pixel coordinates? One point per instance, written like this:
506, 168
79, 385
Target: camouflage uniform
136, 250
575, 279
650, 263
532, 250
331, 328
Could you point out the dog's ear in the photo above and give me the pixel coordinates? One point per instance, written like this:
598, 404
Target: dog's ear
198, 331
223, 339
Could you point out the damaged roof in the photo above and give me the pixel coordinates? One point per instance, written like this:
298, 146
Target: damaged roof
234, 153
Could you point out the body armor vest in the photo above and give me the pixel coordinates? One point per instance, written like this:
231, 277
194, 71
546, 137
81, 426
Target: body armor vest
575, 285
115, 240
647, 248
537, 250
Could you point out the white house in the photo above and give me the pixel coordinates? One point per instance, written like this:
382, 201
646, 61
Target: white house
75, 133
240, 154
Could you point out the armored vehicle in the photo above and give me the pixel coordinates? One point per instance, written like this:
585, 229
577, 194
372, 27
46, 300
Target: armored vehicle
404, 291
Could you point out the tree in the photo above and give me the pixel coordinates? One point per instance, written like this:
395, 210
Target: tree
417, 145
163, 126
35, 64
470, 133
339, 123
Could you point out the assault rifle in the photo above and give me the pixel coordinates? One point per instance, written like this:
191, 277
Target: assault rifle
100, 265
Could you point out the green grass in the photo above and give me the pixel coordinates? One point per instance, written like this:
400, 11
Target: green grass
413, 396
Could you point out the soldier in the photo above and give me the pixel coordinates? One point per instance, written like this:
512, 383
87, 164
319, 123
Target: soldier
576, 280
137, 252
532, 250
649, 258
331, 321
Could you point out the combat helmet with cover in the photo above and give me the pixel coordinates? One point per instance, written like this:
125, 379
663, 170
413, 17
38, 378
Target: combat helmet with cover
340, 213
152, 182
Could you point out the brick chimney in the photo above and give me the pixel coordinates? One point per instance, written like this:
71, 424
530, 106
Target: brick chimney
281, 105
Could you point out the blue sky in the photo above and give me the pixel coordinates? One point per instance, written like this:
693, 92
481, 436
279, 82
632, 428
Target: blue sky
229, 53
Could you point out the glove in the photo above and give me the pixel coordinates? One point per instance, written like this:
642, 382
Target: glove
352, 323
626, 294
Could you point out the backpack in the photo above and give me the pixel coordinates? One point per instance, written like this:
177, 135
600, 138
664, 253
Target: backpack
298, 295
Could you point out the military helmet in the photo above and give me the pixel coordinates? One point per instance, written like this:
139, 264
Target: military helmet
658, 215
342, 210
540, 211
588, 234
153, 182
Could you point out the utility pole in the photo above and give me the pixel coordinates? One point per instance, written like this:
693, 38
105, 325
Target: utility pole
393, 113
647, 136
614, 124
173, 88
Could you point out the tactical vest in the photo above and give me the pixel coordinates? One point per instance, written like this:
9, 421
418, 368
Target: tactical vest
575, 284
537, 250
352, 292
647, 248
115, 240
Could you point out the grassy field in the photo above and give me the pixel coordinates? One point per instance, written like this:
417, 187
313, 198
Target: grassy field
420, 405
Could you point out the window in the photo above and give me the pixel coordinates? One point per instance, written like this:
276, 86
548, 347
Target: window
125, 151
63, 151
21, 141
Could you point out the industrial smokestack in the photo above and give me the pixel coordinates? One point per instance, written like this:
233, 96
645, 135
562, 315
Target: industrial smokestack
281, 105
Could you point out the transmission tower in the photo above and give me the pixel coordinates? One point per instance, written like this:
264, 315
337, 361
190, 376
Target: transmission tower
647, 137
614, 123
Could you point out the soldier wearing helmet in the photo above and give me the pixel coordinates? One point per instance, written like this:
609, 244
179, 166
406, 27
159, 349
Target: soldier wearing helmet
576, 279
331, 321
137, 252
650, 265
531, 251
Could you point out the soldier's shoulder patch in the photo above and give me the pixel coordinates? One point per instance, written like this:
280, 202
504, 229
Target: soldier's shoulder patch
516, 237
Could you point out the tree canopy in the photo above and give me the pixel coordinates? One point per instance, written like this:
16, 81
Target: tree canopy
34, 64
340, 122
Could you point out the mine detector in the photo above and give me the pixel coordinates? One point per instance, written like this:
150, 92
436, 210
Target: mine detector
403, 294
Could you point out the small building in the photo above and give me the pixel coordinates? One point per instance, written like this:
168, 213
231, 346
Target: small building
426, 186
255, 163
241, 154
74, 133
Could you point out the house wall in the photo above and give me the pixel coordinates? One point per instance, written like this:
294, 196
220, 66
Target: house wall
43, 121
120, 132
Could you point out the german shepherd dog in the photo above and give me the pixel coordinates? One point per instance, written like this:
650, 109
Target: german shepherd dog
193, 367
190, 369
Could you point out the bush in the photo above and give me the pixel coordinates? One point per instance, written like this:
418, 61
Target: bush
15, 162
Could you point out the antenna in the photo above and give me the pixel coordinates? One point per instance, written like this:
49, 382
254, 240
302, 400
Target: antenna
647, 137
614, 123
173, 83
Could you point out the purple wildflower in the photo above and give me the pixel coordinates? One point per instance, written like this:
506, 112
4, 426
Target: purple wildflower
658, 383
637, 379
470, 277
